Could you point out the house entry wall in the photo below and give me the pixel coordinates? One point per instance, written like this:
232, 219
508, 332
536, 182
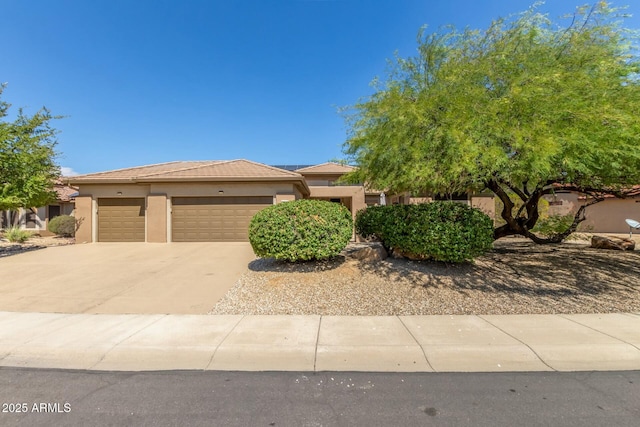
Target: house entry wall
214, 219
121, 220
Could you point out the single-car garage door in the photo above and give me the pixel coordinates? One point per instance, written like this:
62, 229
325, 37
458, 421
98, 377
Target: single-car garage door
121, 220
214, 219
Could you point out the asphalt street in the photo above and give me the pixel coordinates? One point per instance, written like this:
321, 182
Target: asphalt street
39, 397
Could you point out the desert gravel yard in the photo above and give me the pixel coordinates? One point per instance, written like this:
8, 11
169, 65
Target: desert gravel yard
516, 277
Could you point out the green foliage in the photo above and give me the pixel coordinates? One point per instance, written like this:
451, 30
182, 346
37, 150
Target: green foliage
442, 231
301, 230
63, 225
515, 108
27, 166
553, 224
17, 235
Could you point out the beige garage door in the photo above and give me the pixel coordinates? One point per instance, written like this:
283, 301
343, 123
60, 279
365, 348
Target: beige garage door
121, 220
214, 219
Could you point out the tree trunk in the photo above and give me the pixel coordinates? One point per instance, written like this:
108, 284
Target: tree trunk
527, 216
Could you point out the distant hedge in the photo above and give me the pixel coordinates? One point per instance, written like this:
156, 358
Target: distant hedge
440, 230
301, 230
63, 225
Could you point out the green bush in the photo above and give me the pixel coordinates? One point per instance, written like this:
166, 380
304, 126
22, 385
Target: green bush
301, 230
442, 231
17, 235
63, 225
553, 224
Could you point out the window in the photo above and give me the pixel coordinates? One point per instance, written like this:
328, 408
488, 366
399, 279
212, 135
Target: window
54, 211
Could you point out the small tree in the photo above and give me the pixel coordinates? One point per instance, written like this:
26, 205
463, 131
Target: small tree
522, 109
27, 159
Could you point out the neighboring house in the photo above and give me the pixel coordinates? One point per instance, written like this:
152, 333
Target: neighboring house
607, 216
37, 219
201, 200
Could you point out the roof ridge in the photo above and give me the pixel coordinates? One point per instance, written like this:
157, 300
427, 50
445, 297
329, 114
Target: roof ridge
325, 163
205, 163
273, 168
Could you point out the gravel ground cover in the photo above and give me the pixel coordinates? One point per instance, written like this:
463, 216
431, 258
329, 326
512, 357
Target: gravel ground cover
34, 243
516, 277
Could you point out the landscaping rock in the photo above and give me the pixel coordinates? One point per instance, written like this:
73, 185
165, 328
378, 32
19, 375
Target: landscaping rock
614, 243
398, 253
373, 252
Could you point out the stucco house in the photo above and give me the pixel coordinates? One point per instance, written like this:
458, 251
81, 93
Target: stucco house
197, 200
37, 219
190, 201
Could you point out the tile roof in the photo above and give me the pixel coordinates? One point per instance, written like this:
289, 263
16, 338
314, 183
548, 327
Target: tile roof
64, 193
190, 170
326, 168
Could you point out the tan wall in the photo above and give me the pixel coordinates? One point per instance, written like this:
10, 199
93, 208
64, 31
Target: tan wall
84, 215
157, 218
356, 193
607, 216
351, 196
228, 189
486, 204
285, 198
115, 190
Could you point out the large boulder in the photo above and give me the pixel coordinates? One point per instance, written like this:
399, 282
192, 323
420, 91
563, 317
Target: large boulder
611, 242
370, 252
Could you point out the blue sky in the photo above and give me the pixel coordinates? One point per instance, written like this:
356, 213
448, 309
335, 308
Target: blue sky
144, 82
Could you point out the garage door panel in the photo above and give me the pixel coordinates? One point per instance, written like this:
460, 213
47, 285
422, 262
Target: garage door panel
121, 220
214, 219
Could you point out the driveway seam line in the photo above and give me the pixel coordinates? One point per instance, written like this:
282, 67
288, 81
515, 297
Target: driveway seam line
599, 331
222, 342
424, 353
315, 354
124, 339
520, 341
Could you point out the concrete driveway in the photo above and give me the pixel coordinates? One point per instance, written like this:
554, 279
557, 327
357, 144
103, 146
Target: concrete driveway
121, 278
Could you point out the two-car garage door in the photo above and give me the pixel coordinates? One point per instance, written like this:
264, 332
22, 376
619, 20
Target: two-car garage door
214, 219
193, 219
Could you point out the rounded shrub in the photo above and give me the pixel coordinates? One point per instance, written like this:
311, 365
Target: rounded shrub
442, 231
63, 225
301, 230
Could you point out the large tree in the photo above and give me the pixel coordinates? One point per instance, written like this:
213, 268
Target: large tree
523, 108
27, 159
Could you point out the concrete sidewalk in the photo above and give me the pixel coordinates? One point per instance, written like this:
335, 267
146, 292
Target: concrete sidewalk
321, 343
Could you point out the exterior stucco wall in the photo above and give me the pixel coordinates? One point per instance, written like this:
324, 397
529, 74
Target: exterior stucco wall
158, 201
157, 218
604, 217
351, 196
84, 214
228, 189
486, 204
